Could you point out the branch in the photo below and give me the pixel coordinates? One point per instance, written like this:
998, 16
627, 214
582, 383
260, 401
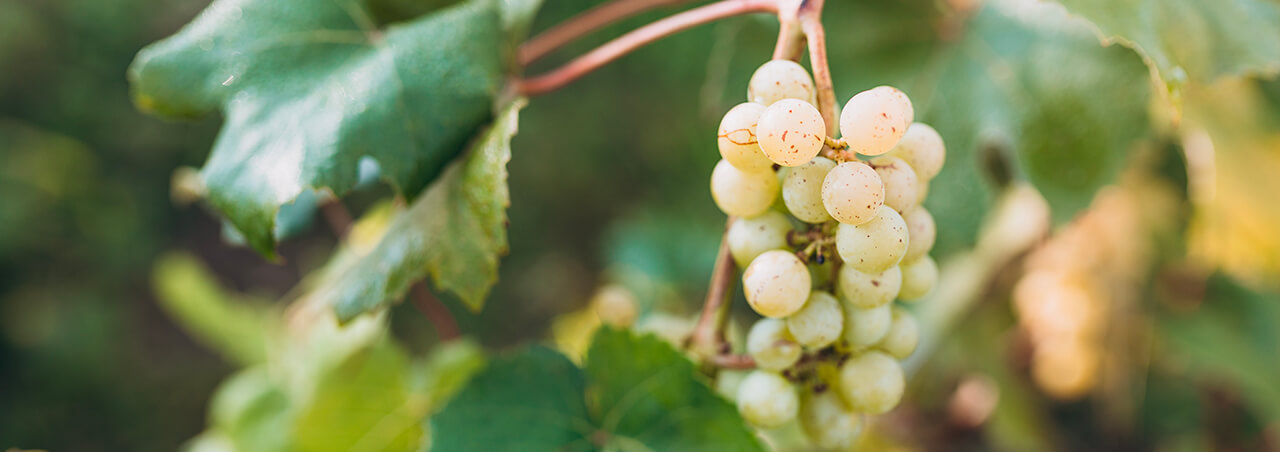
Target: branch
435, 311
811, 22
629, 42
732, 361
708, 334
337, 216
582, 24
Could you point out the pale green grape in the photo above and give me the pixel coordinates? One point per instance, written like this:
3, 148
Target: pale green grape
900, 182
615, 305
922, 192
828, 421
876, 245
869, 290
903, 336
776, 283
772, 345
749, 237
918, 278
742, 193
872, 382
922, 148
874, 120
737, 139
864, 327
852, 193
766, 399
777, 80
791, 132
819, 322
802, 190
922, 230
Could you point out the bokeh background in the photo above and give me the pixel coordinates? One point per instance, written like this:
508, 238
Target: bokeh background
1141, 316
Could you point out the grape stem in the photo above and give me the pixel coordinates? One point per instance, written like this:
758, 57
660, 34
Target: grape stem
708, 334
436, 312
581, 25
810, 16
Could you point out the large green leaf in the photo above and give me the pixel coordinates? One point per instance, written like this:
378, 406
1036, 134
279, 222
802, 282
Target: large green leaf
635, 393
309, 88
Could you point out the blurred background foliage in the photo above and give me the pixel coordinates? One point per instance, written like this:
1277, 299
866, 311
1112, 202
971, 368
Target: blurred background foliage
1147, 320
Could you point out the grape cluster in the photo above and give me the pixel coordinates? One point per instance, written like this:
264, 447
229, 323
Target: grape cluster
830, 232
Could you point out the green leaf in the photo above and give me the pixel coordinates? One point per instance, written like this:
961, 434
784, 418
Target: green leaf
228, 323
311, 87
635, 393
364, 404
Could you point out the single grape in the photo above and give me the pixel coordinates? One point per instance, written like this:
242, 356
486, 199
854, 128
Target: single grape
766, 399
919, 277
819, 322
868, 290
802, 190
872, 382
615, 305
776, 283
864, 327
742, 193
827, 420
737, 140
876, 245
874, 120
852, 193
900, 182
749, 237
791, 132
772, 345
922, 192
922, 148
776, 80
903, 336
922, 230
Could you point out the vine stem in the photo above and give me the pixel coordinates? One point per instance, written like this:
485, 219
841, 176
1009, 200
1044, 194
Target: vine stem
811, 24
708, 334
583, 24
640, 37
436, 312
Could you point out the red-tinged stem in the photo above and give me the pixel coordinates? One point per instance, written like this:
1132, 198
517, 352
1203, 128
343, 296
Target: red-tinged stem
732, 361
337, 216
638, 38
708, 334
583, 24
436, 312
790, 44
811, 23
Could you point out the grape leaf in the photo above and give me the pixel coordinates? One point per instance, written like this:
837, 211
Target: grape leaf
634, 393
310, 87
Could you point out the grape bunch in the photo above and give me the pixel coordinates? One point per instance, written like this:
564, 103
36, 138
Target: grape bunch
830, 232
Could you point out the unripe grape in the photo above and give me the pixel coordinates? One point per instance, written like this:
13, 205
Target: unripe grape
749, 237
922, 230
828, 421
903, 336
852, 193
874, 120
737, 139
819, 322
802, 190
872, 382
900, 182
922, 148
771, 345
766, 399
777, 80
615, 305
864, 327
791, 132
776, 283
742, 193
868, 290
919, 277
876, 245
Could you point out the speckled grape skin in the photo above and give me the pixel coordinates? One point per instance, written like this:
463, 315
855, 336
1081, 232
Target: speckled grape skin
802, 190
819, 322
919, 277
791, 132
777, 80
772, 345
749, 237
827, 420
874, 120
876, 245
737, 138
903, 336
872, 382
869, 290
922, 230
900, 182
766, 399
864, 327
852, 193
776, 284
742, 193
923, 149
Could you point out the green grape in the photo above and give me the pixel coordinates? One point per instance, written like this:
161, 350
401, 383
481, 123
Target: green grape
771, 345
872, 382
776, 80
766, 399
900, 182
868, 290
903, 336
874, 120
615, 305
922, 230
923, 149
852, 193
876, 245
922, 191
827, 420
864, 327
737, 139
791, 132
750, 237
819, 322
919, 277
776, 283
742, 193
802, 190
